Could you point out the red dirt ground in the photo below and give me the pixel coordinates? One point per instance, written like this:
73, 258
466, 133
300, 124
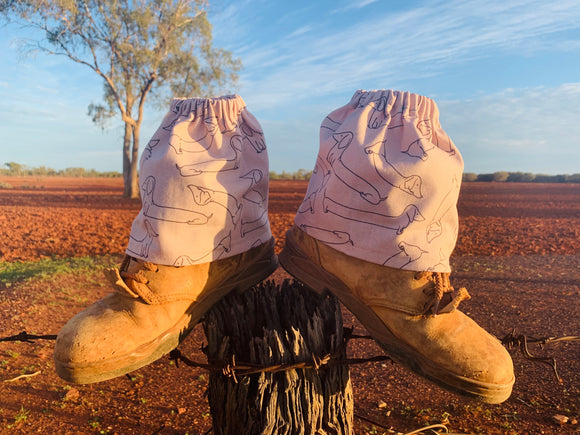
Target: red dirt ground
518, 253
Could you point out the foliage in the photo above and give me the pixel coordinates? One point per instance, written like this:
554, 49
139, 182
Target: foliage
21, 271
500, 176
142, 48
485, 177
16, 169
469, 176
543, 178
574, 178
21, 415
521, 177
300, 174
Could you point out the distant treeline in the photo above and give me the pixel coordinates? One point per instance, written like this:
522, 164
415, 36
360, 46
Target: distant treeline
300, 174
521, 177
502, 176
19, 170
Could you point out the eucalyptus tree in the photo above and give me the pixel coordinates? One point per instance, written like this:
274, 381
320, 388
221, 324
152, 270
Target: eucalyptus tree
143, 51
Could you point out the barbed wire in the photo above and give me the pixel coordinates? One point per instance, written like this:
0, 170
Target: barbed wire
28, 338
512, 340
232, 368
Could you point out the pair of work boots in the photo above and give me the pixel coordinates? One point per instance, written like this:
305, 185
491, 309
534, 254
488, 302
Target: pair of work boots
412, 315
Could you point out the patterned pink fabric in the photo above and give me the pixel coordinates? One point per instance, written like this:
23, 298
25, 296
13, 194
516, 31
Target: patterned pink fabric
386, 183
204, 185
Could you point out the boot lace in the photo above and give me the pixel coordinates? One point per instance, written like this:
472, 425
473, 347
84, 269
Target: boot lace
444, 298
133, 283
138, 275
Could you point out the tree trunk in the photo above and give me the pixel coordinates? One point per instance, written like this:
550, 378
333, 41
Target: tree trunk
127, 161
130, 162
271, 325
133, 172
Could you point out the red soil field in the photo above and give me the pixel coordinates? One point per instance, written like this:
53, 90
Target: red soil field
518, 254
63, 217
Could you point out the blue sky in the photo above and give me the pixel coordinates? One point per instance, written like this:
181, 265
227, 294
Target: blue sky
505, 75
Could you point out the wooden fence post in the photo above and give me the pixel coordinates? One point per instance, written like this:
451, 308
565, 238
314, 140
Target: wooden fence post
271, 325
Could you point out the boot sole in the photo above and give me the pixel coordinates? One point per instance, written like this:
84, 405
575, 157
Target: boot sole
265, 264
299, 265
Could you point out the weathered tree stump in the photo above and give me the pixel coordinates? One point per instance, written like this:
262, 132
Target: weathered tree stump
271, 325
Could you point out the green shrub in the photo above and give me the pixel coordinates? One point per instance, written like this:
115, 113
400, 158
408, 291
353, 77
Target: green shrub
543, 178
521, 177
17, 169
485, 177
501, 176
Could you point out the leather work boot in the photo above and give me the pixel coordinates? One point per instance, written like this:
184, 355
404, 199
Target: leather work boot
153, 309
412, 315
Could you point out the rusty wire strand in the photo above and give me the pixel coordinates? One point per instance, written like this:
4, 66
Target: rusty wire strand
432, 427
512, 340
28, 338
231, 368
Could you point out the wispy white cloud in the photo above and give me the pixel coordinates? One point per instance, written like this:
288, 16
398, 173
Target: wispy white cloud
531, 129
47, 90
415, 43
300, 31
303, 62
359, 4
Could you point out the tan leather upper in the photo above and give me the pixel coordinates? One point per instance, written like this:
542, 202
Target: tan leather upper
407, 291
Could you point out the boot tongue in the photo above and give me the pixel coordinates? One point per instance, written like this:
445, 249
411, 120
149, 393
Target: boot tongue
445, 298
129, 280
132, 267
